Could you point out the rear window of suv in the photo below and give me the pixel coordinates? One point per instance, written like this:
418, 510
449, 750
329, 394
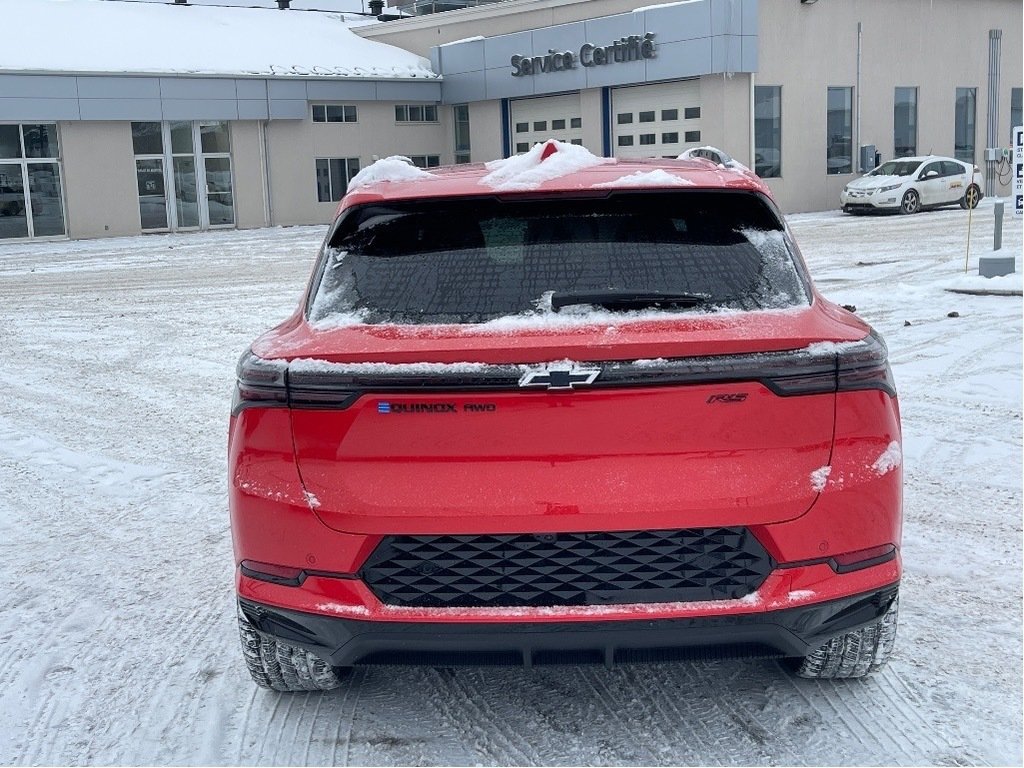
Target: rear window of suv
473, 260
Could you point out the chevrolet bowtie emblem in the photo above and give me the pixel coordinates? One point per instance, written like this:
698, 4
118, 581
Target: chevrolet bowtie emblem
559, 378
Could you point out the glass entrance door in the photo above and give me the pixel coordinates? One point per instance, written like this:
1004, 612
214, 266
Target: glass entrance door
193, 161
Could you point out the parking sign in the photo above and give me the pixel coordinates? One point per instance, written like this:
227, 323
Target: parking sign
1018, 166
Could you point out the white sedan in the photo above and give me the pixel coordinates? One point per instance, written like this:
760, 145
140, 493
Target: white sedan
911, 184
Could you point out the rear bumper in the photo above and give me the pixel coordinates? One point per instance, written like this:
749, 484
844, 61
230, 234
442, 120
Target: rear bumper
788, 632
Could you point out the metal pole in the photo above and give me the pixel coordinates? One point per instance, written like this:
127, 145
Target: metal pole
997, 235
995, 37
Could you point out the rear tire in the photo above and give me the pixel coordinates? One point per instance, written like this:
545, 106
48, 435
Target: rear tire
854, 654
971, 197
278, 666
911, 202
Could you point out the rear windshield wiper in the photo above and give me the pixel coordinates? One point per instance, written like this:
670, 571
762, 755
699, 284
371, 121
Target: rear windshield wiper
620, 301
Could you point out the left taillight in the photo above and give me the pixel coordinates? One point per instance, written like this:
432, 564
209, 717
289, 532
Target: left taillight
261, 383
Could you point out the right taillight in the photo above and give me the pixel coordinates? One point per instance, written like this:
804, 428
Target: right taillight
838, 367
864, 365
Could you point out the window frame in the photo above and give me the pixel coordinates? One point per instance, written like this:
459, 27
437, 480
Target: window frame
969, 126
323, 106
846, 136
349, 173
768, 137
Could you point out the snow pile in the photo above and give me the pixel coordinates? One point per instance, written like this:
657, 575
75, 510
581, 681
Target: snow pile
310, 365
163, 38
891, 458
655, 178
819, 478
387, 169
728, 161
832, 347
529, 171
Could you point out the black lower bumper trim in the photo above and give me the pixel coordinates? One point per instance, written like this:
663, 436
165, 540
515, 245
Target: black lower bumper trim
350, 642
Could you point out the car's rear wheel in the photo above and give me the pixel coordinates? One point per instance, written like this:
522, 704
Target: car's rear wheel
854, 654
911, 202
971, 197
282, 667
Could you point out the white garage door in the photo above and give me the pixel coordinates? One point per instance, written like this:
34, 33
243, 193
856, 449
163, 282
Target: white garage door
656, 120
550, 117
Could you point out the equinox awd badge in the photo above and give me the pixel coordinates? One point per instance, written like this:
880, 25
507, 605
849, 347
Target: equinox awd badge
559, 378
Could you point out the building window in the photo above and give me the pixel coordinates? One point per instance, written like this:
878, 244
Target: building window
540, 125
415, 113
963, 141
691, 113
647, 117
839, 128
1015, 112
576, 122
31, 201
691, 137
625, 141
624, 118
460, 115
647, 139
670, 138
768, 131
425, 161
334, 113
577, 142
522, 147
670, 114
904, 122
522, 127
558, 125
332, 177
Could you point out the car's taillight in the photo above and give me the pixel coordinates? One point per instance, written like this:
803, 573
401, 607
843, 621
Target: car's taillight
865, 365
261, 383
274, 384
857, 365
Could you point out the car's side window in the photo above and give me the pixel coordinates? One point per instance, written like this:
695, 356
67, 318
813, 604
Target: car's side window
937, 167
953, 169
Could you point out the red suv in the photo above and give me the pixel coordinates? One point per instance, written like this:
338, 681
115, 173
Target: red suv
563, 409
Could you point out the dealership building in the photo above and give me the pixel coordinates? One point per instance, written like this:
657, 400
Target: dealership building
178, 116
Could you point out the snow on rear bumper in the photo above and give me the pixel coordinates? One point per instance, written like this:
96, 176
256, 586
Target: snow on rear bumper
754, 627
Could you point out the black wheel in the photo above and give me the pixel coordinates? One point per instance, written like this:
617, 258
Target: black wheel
854, 654
281, 667
971, 197
911, 202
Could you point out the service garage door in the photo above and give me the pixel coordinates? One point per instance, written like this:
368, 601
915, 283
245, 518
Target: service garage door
656, 120
549, 117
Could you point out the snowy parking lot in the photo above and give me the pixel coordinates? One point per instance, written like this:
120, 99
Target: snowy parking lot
117, 622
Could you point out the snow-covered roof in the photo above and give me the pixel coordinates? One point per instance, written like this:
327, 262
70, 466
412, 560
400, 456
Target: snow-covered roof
112, 36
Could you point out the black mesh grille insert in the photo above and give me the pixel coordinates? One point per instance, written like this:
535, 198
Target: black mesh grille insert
566, 568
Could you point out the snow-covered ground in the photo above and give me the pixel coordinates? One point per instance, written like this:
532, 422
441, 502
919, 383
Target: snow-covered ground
116, 621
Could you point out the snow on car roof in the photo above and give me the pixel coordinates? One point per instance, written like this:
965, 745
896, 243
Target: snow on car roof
101, 36
566, 168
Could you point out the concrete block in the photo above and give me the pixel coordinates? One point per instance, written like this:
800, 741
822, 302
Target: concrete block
996, 266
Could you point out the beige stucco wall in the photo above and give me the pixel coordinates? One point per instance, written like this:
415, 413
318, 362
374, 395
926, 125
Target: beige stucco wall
100, 196
294, 145
247, 170
935, 45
